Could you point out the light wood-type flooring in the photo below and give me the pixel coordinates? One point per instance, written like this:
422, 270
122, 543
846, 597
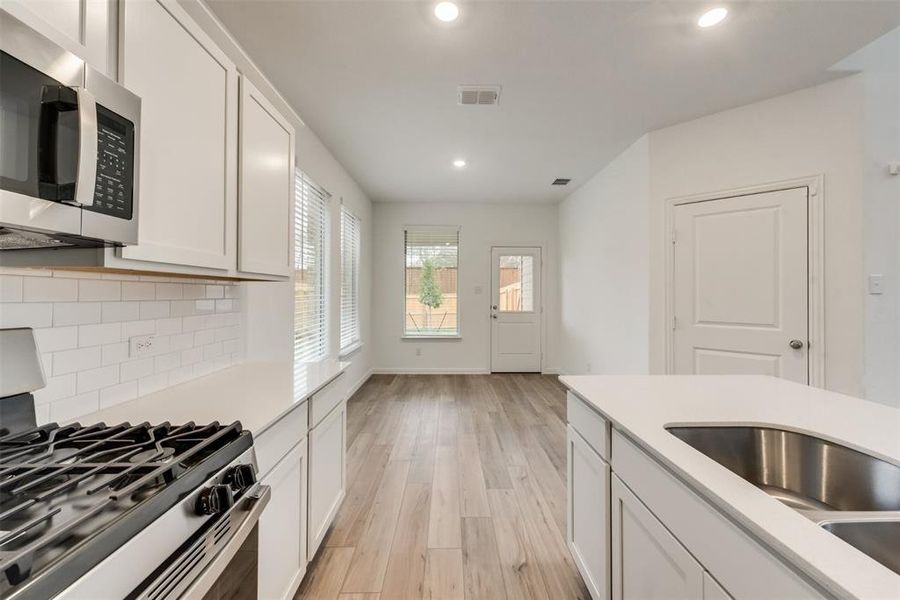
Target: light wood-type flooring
455, 490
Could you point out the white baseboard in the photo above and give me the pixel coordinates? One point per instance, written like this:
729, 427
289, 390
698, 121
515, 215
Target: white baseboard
362, 380
433, 371
551, 371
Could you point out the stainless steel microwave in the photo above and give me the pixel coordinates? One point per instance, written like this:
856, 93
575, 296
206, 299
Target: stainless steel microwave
69, 148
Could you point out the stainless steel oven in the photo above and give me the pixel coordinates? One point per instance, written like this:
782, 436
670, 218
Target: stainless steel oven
69, 147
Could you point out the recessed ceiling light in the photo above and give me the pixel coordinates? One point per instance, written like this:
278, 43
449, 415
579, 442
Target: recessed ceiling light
446, 11
712, 17
459, 163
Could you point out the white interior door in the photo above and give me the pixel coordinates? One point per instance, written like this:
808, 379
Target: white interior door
741, 286
516, 310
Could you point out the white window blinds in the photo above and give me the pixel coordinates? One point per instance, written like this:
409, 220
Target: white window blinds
431, 281
310, 234
350, 248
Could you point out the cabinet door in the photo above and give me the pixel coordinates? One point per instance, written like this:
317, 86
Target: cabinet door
282, 527
588, 514
648, 563
83, 27
266, 185
327, 465
188, 182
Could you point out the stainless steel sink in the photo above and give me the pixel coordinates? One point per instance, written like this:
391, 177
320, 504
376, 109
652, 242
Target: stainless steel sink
802, 471
850, 494
878, 539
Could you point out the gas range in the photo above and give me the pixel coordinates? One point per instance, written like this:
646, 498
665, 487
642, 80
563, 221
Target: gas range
120, 511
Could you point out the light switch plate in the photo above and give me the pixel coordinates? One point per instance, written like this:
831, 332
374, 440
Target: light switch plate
875, 284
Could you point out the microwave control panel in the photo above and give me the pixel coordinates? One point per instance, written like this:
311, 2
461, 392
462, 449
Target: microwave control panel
114, 191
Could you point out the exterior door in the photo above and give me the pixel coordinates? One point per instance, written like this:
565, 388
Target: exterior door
741, 286
516, 310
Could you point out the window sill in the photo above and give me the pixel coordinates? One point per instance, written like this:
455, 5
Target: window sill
455, 337
351, 349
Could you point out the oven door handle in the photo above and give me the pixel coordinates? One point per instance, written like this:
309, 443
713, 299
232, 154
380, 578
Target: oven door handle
195, 570
86, 178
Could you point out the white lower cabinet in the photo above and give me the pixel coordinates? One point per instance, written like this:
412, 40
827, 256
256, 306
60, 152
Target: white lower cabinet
587, 503
327, 472
282, 527
712, 590
647, 561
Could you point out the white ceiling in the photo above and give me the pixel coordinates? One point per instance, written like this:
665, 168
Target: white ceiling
376, 80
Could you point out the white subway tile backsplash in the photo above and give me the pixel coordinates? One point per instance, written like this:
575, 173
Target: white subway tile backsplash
135, 369
83, 323
96, 335
81, 359
76, 313
138, 290
169, 291
11, 288
49, 289
152, 383
56, 388
114, 353
154, 310
94, 379
116, 394
112, 312
75, 406
26, 315
99, 290
53, 339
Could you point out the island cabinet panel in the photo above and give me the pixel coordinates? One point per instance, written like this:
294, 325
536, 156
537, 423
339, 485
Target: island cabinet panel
266, 185
743, 567
83, 27
282, 527
188, 181
589, 423
588, 499
647, 561
327, 473
712, 590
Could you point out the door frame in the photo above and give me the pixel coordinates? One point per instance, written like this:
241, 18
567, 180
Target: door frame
543, 323
815, 263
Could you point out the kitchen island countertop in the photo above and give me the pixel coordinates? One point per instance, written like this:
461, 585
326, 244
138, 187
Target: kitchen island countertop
643, 406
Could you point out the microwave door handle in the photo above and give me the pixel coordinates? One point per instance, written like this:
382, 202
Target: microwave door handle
86, 178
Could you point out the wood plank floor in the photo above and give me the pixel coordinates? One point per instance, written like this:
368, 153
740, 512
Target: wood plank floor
455, 490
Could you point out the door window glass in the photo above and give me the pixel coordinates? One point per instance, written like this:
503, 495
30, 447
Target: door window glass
516, 291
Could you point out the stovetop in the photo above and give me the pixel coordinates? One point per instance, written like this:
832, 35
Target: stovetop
71, 495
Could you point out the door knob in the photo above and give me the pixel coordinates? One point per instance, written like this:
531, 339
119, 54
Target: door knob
796, 344
493, 307
493, 316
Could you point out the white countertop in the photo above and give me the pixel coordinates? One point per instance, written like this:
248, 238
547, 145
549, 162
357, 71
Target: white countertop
642, 406
257, 394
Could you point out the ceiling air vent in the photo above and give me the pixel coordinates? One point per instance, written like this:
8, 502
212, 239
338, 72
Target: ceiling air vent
561, 181
478, 95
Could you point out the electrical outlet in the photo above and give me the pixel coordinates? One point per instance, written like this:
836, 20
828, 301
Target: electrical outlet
141, 345
418, 352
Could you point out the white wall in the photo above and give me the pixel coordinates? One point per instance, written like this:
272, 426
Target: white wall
604, 273
813, 131
269, 307
481, 226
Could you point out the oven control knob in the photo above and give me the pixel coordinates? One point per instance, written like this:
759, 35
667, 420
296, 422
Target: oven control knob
214, 500
240, 477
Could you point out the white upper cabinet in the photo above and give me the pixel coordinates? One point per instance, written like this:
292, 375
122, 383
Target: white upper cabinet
189, 90
266, 185
83, 27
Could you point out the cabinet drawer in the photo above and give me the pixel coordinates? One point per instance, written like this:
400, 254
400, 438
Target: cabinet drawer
589, 424
323, 401
277, 440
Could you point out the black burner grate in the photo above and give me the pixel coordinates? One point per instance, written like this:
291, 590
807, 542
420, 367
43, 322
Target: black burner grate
60, 487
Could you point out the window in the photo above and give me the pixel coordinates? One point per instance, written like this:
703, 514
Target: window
516, 293
310, 227
432, 259
350, 246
